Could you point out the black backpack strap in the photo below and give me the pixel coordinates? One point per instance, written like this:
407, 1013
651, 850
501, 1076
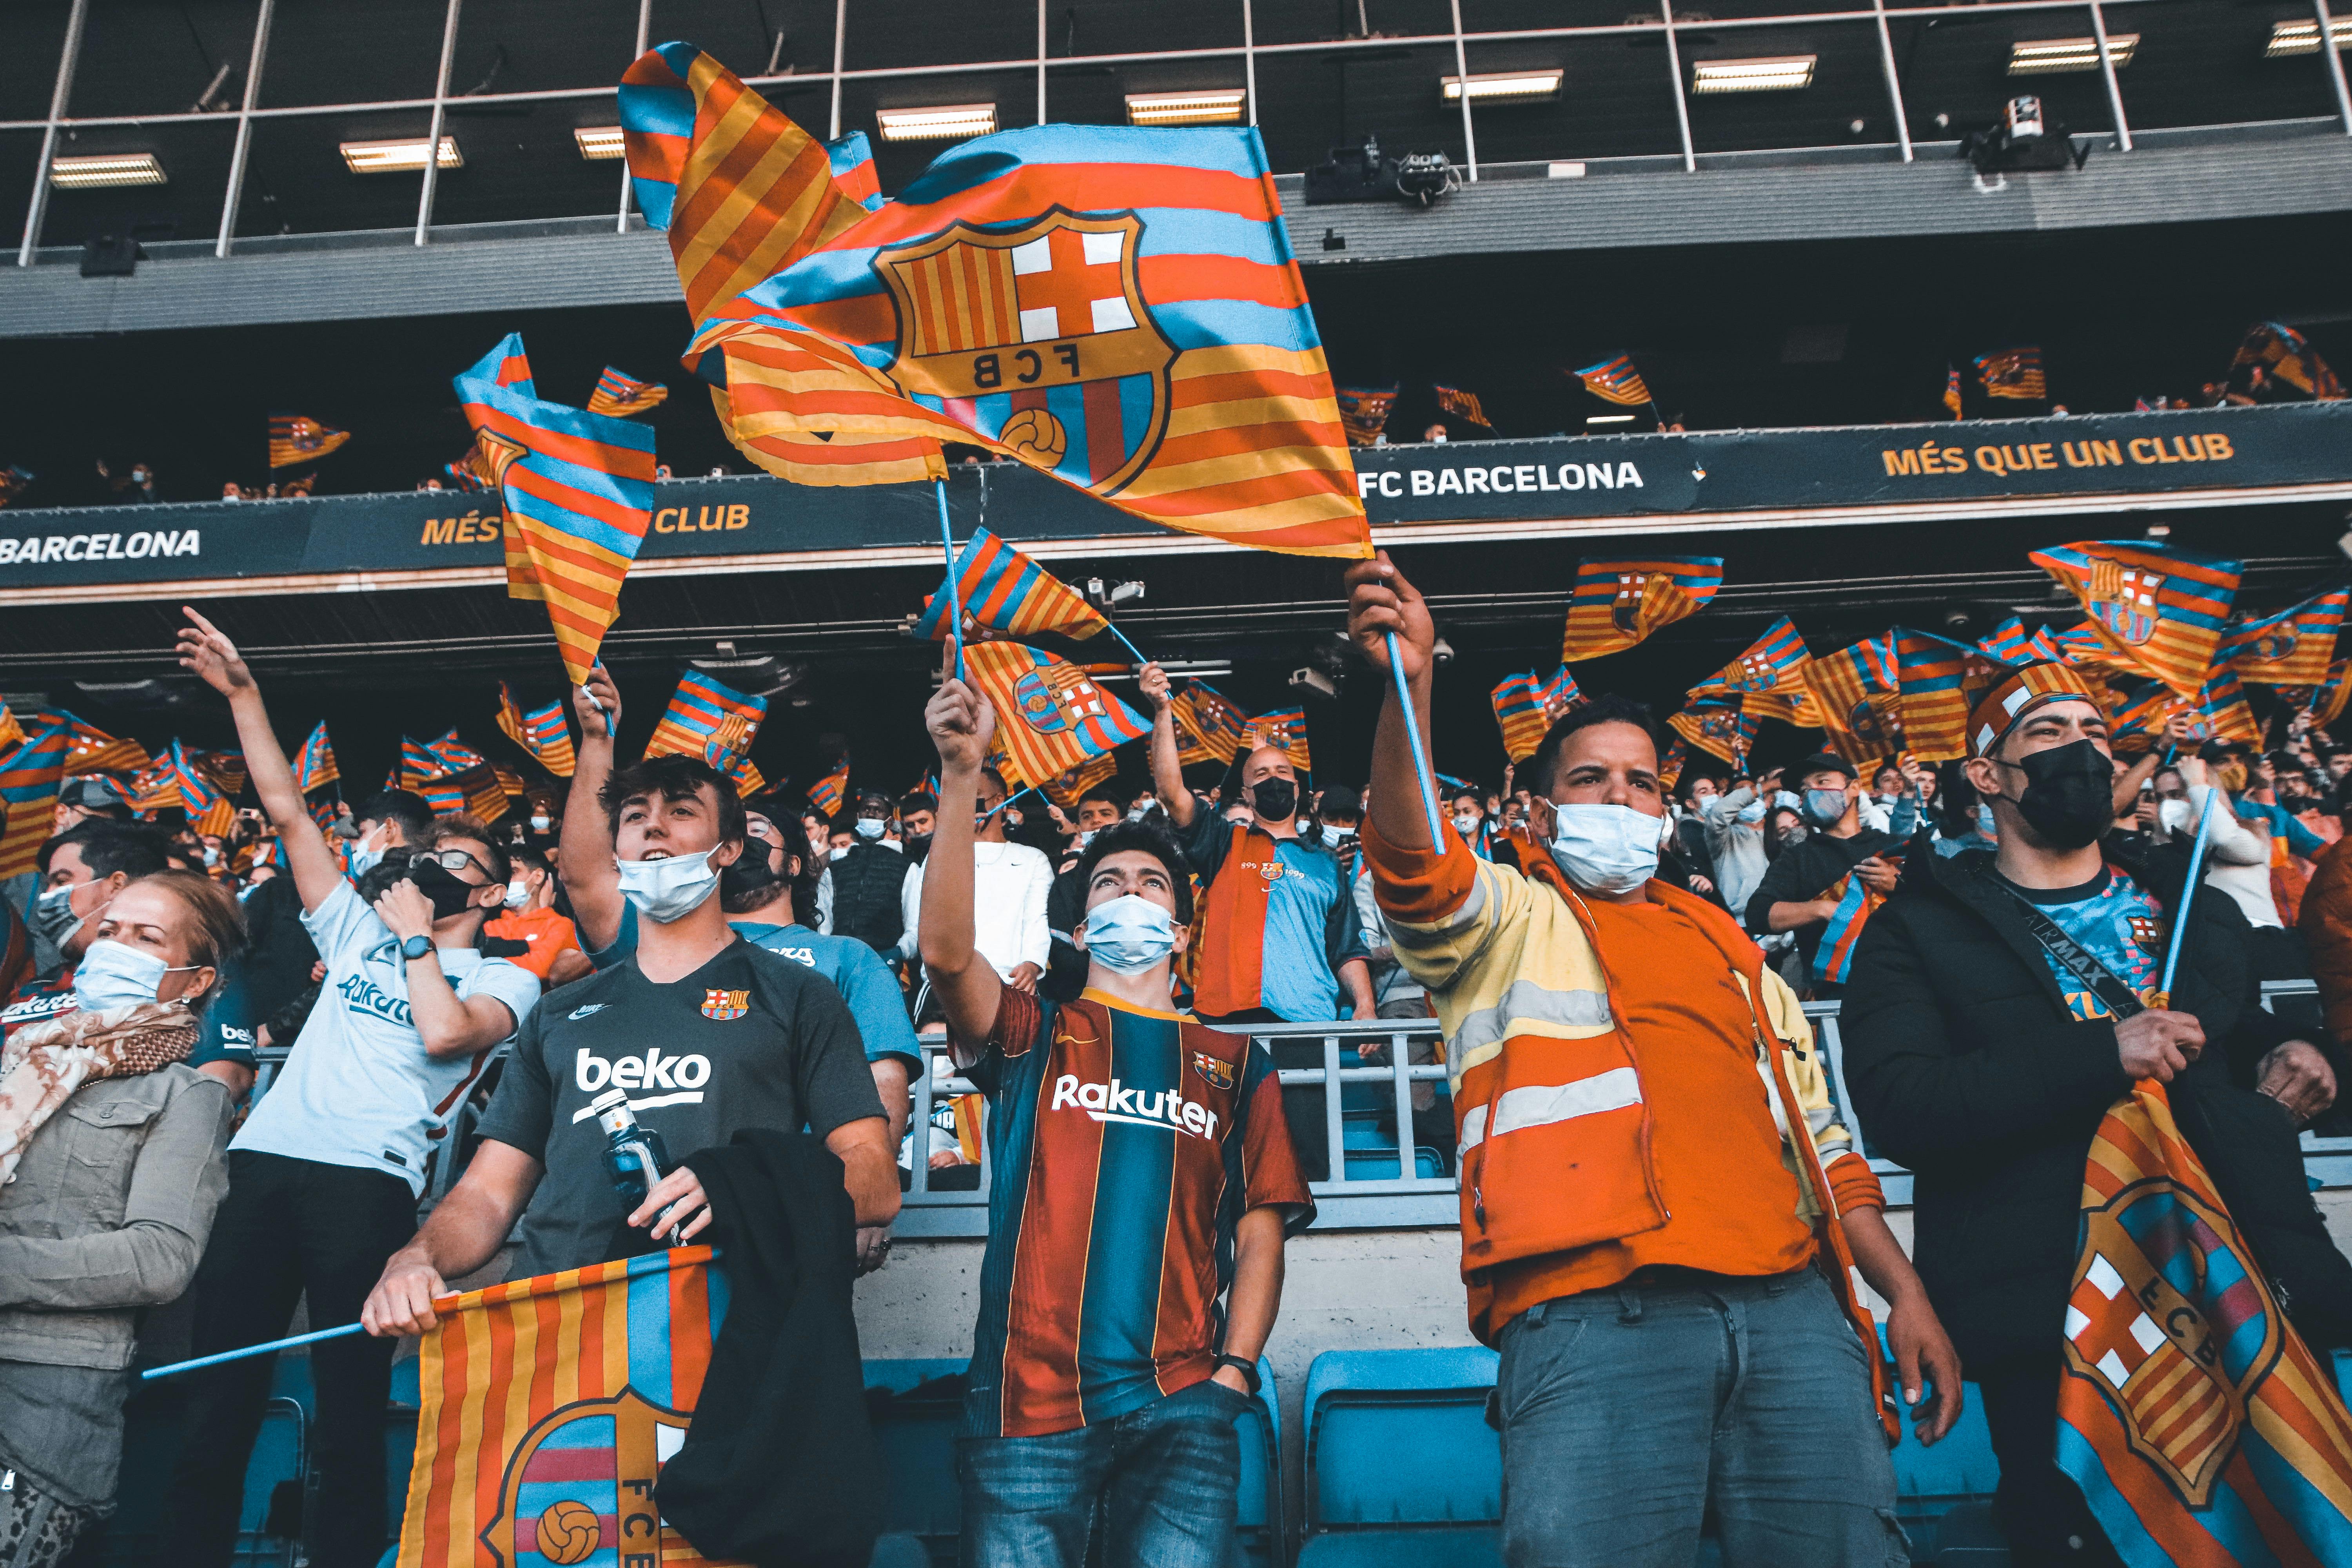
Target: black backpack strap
2120, 999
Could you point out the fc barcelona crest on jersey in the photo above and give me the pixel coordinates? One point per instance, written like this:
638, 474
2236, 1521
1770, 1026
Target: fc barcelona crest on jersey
1037, 334
1216, 1071
2147, 933
725, 1007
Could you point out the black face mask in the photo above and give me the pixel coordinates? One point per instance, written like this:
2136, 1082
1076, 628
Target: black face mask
916, 845
449, 896
2069, 796
1274, 799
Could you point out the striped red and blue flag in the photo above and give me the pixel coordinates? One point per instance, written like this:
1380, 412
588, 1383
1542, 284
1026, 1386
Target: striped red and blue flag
454, 755
418, 764
1719, 726
1117, 306
1051, 716
542, 731
1854, 691
1519, 713
1285, 728
1616, 381
2160, 610
621, 394
1936, 683
852, 158
1209, 728
828, 792
699, 715
2293, 647
1834, 958
314, 767
30, 774
998, 586
578, 490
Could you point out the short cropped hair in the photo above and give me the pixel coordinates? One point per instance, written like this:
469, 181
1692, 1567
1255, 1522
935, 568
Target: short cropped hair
411, 810
108, 846
1152, 839
1608, 708
674, 776
474, 830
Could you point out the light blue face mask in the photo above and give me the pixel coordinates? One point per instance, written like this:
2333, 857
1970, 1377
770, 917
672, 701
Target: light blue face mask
1752, 811
1130, 934
363, 861
1605, 848
1986, 829
116, 974
1823, 807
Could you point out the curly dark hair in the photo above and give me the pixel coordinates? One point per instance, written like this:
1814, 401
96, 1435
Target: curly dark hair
1152, 839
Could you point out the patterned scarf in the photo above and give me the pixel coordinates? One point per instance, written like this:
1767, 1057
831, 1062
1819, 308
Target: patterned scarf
43, 1064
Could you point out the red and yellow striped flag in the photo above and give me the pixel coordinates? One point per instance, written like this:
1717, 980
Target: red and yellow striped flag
1051, 716
549, 1407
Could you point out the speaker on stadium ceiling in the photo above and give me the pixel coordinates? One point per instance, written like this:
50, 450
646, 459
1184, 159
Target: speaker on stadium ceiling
110, 255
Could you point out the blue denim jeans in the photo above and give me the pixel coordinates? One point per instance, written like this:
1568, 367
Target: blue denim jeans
1159, 1484
1628, 1412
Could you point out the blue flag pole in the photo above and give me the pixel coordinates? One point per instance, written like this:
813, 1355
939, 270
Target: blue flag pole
955, 608
1420, 758
2187, 894
1139, 660
270, 1348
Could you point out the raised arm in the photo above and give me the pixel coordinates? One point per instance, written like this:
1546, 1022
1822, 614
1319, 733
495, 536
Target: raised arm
216, 660
1167, 760
962, 723
1380, 600
584, 856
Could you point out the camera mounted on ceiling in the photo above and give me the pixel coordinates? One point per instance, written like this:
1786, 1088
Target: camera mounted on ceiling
1362, 174
2024, 139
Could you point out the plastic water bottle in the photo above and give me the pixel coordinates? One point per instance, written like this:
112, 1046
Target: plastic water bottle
635, 1157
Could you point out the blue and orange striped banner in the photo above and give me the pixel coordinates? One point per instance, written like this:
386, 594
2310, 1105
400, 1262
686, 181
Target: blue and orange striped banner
1834, 958
1051, 716
852, 158
1616, 381
542, 731
30, 774
1936, 683
998, 586
1617, 602
1285, 728
700, 714
1717, 725
1209, 729
549, 1406
828, 792
1157, 351
2160, 610
315, 767
621, 394
2293, 647
91, 750
1854, 691
578, 490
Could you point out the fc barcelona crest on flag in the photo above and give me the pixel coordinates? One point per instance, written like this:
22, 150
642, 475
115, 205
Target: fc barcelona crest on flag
1041, 331
1056, 698
2124, 599
725, 1007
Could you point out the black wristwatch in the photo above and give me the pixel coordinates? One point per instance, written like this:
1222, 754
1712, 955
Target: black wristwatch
416, 947
1248, 1369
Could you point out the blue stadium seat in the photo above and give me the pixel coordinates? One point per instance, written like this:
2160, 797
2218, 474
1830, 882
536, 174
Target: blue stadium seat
1943, 1494
279, 1455
1399, 1437
1379, 1163
917, 1437
1263, 1531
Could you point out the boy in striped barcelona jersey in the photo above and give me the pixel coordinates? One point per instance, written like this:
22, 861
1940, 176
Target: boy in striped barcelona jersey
1142, 1173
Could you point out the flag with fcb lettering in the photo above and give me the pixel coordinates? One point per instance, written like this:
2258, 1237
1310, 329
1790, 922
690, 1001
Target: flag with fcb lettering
1285, 728
578, 490
1051, 716
621, 394
1617, 602
2161, 610
1936, 683
2200, 1426
1115, 307
1616, 381
2293, 647
827, 794
1719, 726
998, 586
298, 438
30, 774
1209, 729
549, 1406
542, 731
1855, 690
698, 712
314, 767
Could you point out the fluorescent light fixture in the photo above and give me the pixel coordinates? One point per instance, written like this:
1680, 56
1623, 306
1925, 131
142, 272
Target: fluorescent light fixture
1780, 74
2056, 57
91, 173
405, 156
1220, 107
1608, 419
949, 122
1505, 87
1564, 172
2303, 38
599, 143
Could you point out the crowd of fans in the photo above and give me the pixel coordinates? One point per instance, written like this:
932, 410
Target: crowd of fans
728, 965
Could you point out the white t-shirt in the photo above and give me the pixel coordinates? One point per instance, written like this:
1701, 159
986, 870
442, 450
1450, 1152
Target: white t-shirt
358, 1088
1010, 884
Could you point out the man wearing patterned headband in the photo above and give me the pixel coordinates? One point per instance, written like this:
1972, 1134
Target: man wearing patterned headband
1998, 1003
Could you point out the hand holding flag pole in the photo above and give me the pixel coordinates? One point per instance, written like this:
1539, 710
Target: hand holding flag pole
955, 609
2163, 998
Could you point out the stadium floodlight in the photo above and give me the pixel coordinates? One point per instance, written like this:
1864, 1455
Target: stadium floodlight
2303, 38
2057, 57
1782, 73
599, 143
405, 156
945, 122
1222, 106
97, 170
1503, 87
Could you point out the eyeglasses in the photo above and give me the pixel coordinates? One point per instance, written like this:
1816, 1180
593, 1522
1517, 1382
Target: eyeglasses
457, 860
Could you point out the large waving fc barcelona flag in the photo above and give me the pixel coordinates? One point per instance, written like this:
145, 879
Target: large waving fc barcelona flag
1118, 307
551, 1406
2160, 609
2293, 647
1051, 717
2197, 1424
1617, 602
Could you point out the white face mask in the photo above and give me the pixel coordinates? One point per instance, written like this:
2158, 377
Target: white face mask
838, 851
1465, 823
541, 823
869, 827
518, 893
671, 888
116, 974
1605, 848
1138, 813
1130, 934
2172, 816
1333, 836
1086, 836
